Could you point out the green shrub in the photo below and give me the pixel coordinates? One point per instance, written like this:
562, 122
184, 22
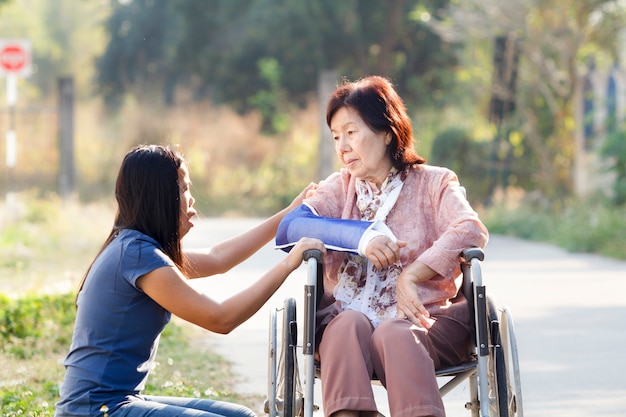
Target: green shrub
34, 324
590, 226
35, 333
614, 150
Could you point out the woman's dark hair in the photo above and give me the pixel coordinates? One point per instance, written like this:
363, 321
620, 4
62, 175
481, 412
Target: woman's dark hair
148, 198
382, 109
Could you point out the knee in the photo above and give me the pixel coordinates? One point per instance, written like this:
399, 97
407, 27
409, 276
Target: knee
346, 327
393, 332
387, 330
350, 321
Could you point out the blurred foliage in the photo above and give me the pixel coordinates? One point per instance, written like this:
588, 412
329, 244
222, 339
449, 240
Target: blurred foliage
221, 49
613, 148
592, 225
456, 149
35, 223
534, 147
233, 83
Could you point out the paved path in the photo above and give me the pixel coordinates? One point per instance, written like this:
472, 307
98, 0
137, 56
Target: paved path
569, 311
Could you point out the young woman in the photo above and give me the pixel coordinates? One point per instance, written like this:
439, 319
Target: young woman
140, 278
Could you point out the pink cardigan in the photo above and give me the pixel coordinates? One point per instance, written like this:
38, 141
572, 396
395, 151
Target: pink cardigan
431, 214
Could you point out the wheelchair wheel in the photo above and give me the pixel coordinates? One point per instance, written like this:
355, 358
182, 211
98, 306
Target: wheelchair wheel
270, 405
505, 391
497, 377
287, 373
509, 345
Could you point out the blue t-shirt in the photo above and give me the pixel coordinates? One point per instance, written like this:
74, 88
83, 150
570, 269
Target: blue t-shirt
117, 328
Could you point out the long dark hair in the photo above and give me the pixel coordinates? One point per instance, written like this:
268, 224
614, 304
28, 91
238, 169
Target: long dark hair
382, 109
148, 199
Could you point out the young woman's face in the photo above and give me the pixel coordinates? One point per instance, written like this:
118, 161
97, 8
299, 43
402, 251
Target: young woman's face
186, 201
359, 148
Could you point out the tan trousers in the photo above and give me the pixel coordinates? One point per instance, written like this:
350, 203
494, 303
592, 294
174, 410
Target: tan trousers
401, 355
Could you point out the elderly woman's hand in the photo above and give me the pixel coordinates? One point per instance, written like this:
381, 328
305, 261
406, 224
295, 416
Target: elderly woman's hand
409, 304
383, 252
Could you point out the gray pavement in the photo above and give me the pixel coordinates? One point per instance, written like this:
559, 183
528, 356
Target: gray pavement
569, 312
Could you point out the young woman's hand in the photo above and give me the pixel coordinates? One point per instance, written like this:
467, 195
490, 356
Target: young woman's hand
294, 258
306, 193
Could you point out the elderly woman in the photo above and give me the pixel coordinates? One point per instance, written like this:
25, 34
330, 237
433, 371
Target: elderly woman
396, 226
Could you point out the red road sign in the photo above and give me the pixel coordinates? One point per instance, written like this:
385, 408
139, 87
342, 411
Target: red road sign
15, 57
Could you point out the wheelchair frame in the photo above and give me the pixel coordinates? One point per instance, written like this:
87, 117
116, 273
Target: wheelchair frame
492, 370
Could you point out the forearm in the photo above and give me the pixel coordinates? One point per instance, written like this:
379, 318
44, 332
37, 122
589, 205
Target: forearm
229, 253
169, 288
418, 272
337, 234
243, 305
445, 253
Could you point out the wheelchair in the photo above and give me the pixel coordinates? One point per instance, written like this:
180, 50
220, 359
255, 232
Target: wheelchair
492, 368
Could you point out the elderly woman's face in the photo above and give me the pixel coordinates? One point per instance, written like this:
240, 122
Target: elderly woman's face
360, 149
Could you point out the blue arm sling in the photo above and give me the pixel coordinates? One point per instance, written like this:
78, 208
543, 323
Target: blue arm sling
337, 234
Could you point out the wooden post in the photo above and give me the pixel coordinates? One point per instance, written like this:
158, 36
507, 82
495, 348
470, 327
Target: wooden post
579, 175
11, 137
326, 84
66, 137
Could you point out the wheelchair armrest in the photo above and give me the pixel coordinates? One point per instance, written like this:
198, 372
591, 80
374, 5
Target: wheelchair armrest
312, 253
473, 253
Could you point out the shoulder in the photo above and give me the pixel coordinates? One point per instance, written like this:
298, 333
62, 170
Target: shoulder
132, 241
131, 236
425, 171
431, 177
333, 194
339, 179
140, 253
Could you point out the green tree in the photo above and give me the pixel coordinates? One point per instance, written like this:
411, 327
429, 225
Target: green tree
556, 38
138, 56
217, 48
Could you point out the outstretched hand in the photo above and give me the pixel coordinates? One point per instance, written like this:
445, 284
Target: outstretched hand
305, 193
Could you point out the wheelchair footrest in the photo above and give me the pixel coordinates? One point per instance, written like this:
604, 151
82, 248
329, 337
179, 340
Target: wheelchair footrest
454, 370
